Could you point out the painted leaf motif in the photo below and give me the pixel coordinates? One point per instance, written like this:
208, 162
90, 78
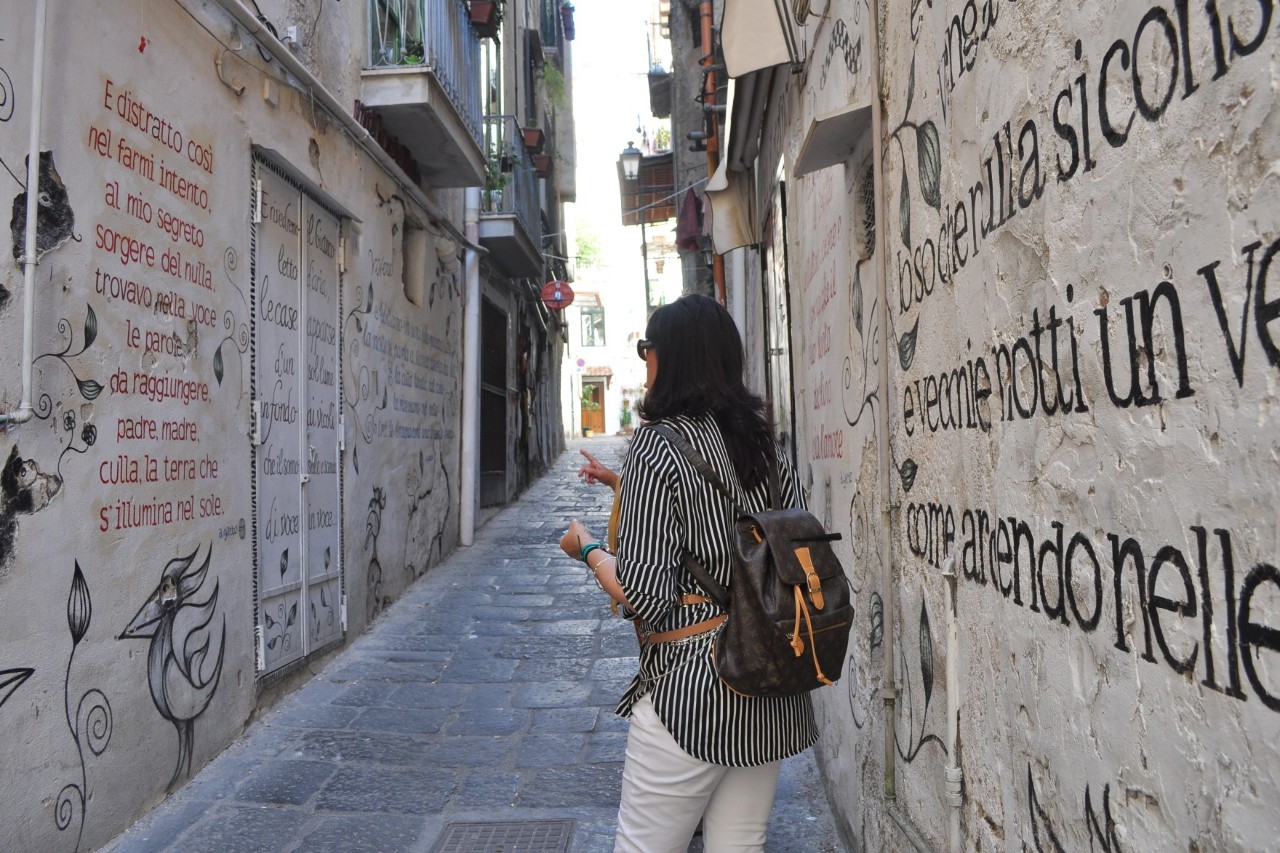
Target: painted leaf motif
90, 327
272, 644
929, 155
11, 680
904, 212
79, 606
908, 474
877, 619
856, 298
293, 615
926, 653
355, 458
217, 365
324, 601
359, 326
907, 346
266, 617
368, 303
89, 388
284, 562
911, 80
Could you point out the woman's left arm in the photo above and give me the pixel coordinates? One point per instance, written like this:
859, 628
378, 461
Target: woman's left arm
599, 562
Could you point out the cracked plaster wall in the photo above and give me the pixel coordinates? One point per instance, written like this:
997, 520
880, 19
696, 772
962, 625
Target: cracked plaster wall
1081, 227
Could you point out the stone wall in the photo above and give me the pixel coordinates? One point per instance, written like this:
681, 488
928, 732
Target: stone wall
200, 347
1078, 223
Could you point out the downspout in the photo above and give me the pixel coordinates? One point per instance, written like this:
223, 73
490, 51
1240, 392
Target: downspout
29, 260
954, 776
738, 297
713, 138
470, 437
353, 128
889, 691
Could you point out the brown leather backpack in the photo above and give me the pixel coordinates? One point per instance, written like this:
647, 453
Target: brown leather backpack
789, 605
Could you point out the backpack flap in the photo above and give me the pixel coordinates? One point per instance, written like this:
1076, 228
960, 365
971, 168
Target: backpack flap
800, 548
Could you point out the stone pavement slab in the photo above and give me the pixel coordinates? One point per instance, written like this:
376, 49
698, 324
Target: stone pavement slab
484, 694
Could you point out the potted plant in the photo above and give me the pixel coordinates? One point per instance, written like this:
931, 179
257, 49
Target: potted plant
566, 16
533, 138
542, 164
413, 52
624, 417
494, 181
485, 17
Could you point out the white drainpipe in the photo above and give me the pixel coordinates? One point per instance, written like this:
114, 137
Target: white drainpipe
889, 691
470, 431
29, 261
738, 289
953, 775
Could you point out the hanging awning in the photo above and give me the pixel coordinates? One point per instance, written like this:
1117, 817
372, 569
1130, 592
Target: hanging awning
731, 195
832, 137
756, 34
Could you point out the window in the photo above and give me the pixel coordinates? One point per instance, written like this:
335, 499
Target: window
413, 262
593, 326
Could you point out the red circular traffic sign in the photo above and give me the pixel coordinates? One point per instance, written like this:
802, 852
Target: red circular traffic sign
557, 295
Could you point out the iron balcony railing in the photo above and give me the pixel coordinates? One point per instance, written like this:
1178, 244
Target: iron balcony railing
511, 184
435, 35
549, 23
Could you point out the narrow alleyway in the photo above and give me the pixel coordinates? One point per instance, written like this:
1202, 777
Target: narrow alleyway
484, 696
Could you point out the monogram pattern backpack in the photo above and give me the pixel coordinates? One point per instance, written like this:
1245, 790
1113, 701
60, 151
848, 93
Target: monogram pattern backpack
789, 606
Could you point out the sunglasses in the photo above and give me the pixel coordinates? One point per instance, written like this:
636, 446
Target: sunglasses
642, 349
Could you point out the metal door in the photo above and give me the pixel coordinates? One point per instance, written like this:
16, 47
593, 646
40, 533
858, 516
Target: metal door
298, 565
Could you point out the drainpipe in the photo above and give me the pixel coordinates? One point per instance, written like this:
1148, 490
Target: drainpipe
889, 691
29, 260
470, 432
738, 283
313, 87
713, 138
954, 776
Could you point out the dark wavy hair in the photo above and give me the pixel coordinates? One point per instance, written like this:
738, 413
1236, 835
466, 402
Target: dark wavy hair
700, 360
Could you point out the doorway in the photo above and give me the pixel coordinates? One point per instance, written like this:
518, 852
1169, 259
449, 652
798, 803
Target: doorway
592, 407
296, 463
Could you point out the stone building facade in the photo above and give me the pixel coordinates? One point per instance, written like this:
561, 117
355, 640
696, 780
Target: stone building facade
247, 336
1008, 279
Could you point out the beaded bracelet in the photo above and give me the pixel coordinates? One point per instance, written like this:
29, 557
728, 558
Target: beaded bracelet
588, 548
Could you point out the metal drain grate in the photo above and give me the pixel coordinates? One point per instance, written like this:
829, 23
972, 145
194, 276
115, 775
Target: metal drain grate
525, 836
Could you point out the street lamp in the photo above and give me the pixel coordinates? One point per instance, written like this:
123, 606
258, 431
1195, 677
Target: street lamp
630, 160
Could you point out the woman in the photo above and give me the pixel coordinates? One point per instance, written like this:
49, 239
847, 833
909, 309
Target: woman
696, 750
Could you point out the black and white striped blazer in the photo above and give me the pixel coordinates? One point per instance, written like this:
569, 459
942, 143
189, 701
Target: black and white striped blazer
668, 511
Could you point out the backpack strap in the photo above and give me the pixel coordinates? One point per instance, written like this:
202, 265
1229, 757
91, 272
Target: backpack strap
718, 592
709, 474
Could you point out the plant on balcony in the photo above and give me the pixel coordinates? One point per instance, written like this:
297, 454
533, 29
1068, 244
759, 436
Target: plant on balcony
496, 177
566, 16
556, 89
542, 163
485, 17
533, 138
413, 52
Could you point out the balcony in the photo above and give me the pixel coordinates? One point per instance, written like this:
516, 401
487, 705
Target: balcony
511, 212
421, 81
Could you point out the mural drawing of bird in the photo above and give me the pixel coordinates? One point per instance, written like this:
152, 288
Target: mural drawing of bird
181, 673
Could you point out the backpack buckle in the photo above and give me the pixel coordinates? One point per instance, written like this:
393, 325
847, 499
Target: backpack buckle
811, 577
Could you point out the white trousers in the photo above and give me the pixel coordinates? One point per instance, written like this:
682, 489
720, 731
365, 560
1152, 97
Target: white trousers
665, 791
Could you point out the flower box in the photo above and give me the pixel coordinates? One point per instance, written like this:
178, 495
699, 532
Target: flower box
533, 139
484, 17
